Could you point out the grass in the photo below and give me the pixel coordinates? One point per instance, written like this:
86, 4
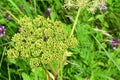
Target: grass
92, 59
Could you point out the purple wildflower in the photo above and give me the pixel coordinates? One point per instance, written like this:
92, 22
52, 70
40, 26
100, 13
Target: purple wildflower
115, 42
47, 12
115, 46
111, 41
2, 31
103, 7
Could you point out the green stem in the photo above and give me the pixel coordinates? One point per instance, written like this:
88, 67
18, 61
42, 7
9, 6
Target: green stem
35, 6
61, 71
53, 71
36, 74
12, 15
2, 58
75, 22
8, 72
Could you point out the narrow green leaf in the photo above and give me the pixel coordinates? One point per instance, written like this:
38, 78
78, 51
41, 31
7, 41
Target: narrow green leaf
15, 6
27, 8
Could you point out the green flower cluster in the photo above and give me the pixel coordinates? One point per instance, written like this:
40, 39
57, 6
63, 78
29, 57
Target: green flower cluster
40, 41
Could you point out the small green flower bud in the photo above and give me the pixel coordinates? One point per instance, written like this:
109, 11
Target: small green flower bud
49, 32
12, 54
46, 58
71, 42
34, 62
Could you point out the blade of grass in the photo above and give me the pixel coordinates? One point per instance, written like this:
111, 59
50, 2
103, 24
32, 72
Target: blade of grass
107, 53
5, 44
2, 57
12, 15
75, 22
35, 6
8, 71
27, 9
15, 6
58, 4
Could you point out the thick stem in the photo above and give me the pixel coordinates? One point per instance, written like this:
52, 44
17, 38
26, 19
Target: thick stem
75, 22
53, 70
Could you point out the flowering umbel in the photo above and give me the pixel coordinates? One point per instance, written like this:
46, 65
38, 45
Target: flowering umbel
2, 31
41, 41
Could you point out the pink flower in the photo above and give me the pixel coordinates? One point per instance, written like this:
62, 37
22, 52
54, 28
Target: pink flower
2, 31
115, 42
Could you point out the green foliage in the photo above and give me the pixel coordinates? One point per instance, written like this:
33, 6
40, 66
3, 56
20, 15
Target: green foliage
92, 59
35, 74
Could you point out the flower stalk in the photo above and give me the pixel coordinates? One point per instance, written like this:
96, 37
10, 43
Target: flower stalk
75, 23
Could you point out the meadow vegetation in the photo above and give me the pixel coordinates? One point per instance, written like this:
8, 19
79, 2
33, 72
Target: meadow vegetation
59, 40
